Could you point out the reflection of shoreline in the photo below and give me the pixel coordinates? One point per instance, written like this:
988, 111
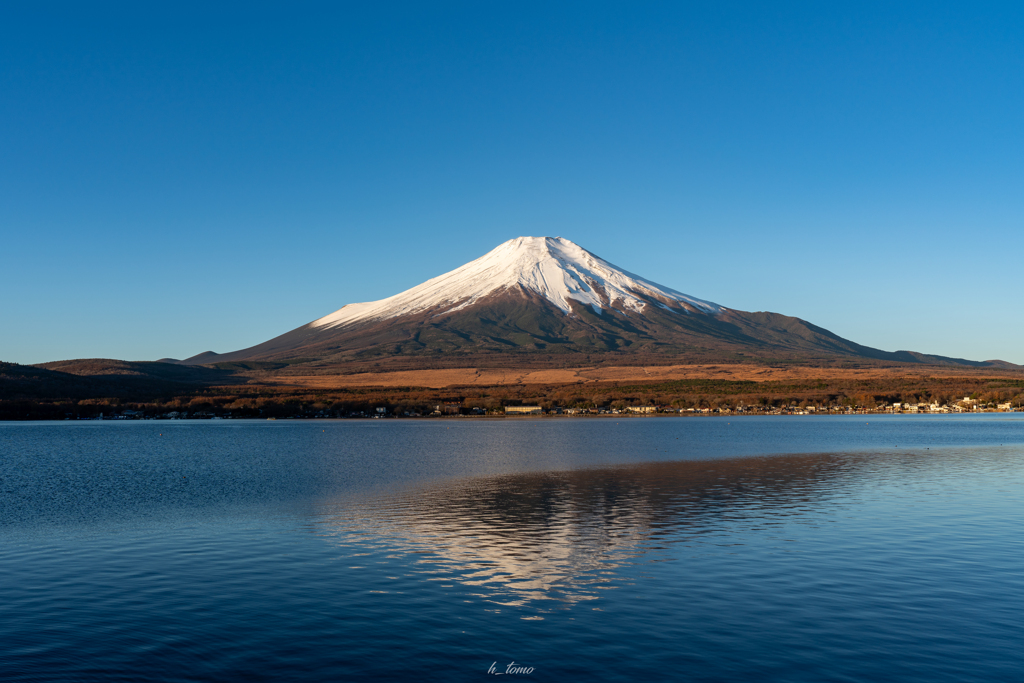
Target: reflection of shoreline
564, 536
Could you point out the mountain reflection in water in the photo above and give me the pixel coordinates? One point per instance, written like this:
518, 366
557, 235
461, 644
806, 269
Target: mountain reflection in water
562, 536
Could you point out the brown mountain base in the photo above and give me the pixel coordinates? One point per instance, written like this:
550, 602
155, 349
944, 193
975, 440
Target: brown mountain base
484, 377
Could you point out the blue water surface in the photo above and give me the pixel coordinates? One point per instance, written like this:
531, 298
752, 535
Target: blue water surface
857, 548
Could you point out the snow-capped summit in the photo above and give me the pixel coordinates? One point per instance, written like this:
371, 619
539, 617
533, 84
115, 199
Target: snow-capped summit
551, 267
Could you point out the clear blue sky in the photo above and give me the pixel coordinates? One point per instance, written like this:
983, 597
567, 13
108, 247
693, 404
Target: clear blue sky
176, 178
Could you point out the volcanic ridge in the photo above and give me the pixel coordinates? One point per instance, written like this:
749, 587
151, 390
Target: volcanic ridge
548, 300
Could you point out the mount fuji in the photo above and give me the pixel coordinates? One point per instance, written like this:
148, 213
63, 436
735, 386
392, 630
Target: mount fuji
548, 299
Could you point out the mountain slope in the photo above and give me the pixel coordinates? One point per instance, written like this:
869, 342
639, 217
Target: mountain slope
547, 296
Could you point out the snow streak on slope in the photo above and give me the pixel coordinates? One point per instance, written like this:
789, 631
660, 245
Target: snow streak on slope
552, 267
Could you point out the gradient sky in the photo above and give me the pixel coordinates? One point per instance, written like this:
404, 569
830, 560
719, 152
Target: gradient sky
178, 178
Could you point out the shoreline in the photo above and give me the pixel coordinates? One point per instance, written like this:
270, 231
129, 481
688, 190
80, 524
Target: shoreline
517, 418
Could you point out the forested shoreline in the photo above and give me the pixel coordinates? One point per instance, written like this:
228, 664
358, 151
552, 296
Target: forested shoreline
678, 396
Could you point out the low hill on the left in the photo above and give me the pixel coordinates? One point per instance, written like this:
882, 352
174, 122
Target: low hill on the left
104, 378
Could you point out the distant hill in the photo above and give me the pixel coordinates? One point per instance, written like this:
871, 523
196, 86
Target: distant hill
94, 378
148, 370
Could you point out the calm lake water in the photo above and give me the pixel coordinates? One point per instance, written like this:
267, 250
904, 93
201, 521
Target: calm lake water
861, 548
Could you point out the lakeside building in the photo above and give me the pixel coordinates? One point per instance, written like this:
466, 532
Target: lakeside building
523, 410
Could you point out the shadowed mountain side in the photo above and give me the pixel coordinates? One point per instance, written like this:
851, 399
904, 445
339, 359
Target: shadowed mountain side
518, 324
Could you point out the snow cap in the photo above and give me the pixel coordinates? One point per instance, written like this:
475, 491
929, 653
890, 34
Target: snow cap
551, 267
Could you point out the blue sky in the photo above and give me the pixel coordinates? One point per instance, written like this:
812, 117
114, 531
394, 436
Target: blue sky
176, 178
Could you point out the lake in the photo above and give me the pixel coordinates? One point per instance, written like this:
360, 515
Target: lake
853, 548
